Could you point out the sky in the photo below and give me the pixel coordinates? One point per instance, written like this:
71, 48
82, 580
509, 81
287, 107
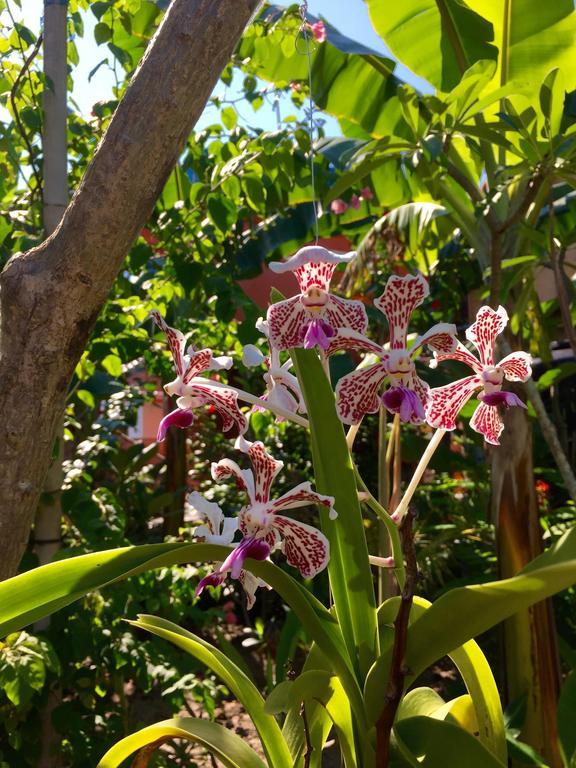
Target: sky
348, 16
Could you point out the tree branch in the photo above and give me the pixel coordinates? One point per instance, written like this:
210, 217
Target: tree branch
51, 296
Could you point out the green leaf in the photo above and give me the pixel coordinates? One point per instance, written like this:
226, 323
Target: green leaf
229, 117
439, 744
233, 678
113, 365
350, 575
218, 740
437, 39
552, 94
222, 211
102, 33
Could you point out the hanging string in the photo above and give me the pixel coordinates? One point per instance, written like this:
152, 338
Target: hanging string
305, 32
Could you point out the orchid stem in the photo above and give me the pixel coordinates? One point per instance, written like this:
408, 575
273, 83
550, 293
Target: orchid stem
402, 507
391, 527
253, 400
351, 435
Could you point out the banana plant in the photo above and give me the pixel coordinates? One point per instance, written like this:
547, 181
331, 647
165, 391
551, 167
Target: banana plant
359, 681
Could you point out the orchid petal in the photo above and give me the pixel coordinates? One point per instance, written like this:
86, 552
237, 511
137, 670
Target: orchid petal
279, 395
225, 402
198, 362
357, 393
223, 362
440, 338
286, 321
444, 403
400, 298
252, 357
181, 418
505, 399
517, 366
226, 468
262, 325
461, 354
312, 265
208, 511
347, 339
250, 584
318, 334
483, 332
486, 420
257, 549
305, 547
265, 470
346, 313
176, 341
302, 496
405, 402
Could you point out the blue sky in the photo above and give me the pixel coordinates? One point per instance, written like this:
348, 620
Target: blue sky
349, 16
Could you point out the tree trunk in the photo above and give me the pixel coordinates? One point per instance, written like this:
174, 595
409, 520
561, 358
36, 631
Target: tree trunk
532, 667
176, 476
51, 296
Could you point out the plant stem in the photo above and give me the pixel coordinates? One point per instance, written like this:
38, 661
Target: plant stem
401, 509
398, 671
391, 527
253, 400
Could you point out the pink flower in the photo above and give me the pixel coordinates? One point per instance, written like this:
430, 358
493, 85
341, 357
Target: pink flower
193, 390
355, 202
318, 31
444, 403
263, 529
357, 393
295, 87
366, 194
338, 206
312, 317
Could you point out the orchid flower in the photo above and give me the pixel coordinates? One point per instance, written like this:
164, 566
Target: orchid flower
193, 390
282, 387
444, 403
262, 528
358, 392
314, 316
221, 530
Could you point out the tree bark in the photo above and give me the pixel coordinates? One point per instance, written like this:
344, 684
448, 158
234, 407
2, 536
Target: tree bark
532, 666
51, 295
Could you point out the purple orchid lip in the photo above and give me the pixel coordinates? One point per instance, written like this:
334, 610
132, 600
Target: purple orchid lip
318, 333
181, 418
257, 549
507, 399
405, 402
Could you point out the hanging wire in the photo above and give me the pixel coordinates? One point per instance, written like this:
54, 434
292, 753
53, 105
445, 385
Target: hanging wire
304, 31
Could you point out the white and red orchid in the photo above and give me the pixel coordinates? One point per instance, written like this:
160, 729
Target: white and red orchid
444, 403
262, 527
282, 387
218, 529
358, 393
315, 315
193, 390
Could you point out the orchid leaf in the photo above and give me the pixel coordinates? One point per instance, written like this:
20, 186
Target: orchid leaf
349, 568
235, 679
229, 748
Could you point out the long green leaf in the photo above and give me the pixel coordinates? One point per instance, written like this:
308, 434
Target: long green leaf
476, 674
350, 576
436, 39
242, 687
466, 612
219, 741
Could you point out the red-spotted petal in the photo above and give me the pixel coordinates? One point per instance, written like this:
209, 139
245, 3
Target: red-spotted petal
400, 298
250, 584
483, 332
313, 266
345, 313
265, 470
197, 362
301, 496
357, 393
440, 338
175, 339
461, 354
305, 547
347, 339
225, 402
444, 403
517, 366
226, 468
486, 420
286, 323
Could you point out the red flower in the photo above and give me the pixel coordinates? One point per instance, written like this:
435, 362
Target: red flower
318, 31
